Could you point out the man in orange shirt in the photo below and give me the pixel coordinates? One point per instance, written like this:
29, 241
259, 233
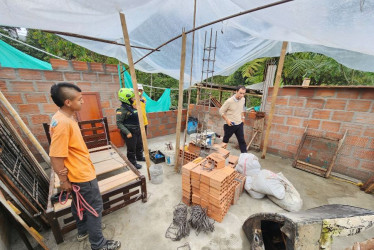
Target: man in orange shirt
70, 159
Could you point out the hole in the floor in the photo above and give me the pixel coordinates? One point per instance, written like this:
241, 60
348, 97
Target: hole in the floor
272, 236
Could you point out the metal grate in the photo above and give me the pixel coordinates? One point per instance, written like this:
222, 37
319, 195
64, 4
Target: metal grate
20, 170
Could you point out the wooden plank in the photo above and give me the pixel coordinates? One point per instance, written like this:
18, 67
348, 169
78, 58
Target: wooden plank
101, 168
311, 165
254, 136
36, 236
99, 148
26, 130
180, 101
96, 137
136, 91
15, 209
300, 146
274, 97
116, 181
83, 130
103, 155
105, 185
329, 169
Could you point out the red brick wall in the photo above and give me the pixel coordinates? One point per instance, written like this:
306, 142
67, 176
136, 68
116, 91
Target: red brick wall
28, 92
216, 122
164, 123
328, 112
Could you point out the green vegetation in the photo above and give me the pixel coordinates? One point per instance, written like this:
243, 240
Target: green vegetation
321, 69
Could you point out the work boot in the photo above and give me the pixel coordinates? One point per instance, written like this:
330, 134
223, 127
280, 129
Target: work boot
140, 159
82, 237
111, 245
138, 166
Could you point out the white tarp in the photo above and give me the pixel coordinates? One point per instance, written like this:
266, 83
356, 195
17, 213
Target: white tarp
341, 29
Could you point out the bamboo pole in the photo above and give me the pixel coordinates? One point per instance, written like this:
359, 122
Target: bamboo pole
190, 87
135, 87
180, 101
25, 129
274, 97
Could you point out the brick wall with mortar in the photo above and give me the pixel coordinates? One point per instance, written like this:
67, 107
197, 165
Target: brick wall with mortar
328, 111
28, 92
216, 122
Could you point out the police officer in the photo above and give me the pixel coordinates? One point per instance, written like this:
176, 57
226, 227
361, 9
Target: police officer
128, 123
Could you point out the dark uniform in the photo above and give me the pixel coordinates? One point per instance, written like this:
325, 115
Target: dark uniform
128, 122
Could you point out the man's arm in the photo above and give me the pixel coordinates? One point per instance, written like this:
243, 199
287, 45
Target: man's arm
61, 171
222, 112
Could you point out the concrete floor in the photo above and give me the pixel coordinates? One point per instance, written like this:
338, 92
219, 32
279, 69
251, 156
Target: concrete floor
143, 225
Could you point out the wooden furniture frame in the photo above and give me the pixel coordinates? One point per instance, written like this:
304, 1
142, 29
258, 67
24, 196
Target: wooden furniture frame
313, 168
117, 191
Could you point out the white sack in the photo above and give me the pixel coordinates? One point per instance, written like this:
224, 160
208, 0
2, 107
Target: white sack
248, 164
267, 182
292, 201
251, 192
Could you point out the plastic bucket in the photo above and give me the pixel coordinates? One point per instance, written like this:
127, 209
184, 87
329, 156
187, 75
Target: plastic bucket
156, 173
170, 157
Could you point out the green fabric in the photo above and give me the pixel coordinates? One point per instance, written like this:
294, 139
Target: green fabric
13, 58
162, 104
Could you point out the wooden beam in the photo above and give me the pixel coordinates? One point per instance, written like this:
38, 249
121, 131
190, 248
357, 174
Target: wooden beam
19, 220
197, 95
189, 89
180, 101
135, 87
329, 169
26, 130
274, 97
220, 95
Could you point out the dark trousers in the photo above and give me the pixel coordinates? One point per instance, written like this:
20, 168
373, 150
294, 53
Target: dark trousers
238, 130
134, 146
90, 223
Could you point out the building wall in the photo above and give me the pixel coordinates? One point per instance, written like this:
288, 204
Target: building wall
215, 122
329, 112
28, 92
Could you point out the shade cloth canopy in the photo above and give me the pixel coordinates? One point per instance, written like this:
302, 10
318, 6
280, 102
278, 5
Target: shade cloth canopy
13, 58
341, 29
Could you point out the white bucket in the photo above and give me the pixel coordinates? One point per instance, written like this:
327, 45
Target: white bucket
170, 157
156, 172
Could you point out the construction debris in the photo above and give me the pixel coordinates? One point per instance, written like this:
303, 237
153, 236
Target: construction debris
179, 228
199, 220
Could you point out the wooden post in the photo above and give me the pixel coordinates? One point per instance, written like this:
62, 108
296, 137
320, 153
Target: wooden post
274, 97
180, 101
26, 130
136, 91
220, 95
197, 95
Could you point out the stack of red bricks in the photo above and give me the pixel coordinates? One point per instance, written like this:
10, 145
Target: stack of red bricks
212, 185
188, 156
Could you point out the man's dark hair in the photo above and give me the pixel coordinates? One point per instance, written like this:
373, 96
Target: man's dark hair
240, 87
59, 96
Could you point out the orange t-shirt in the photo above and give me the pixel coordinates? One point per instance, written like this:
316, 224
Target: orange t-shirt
67, 141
